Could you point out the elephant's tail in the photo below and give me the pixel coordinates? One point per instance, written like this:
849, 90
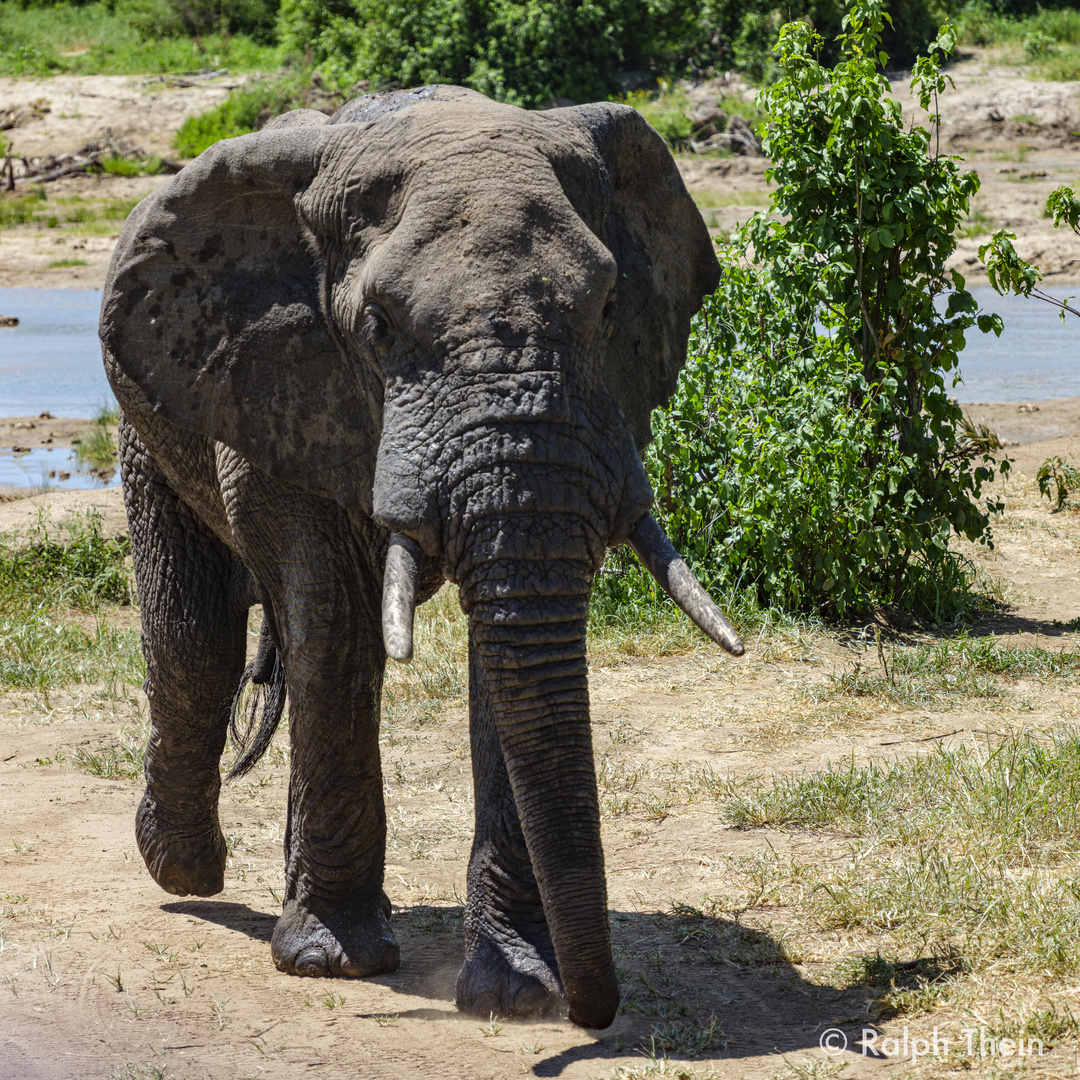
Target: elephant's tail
252, 734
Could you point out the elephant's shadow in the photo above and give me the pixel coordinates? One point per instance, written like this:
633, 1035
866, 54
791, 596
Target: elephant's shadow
679, 971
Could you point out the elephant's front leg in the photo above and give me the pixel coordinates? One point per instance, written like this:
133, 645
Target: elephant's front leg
335, 916
193, 596
510, 966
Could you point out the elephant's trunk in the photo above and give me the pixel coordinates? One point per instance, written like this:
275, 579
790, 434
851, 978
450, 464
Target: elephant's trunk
528, 659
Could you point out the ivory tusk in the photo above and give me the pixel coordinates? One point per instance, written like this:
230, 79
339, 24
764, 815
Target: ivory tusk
399, 596
658, 556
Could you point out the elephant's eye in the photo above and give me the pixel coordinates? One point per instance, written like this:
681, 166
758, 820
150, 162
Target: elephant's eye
608, 314
376, 327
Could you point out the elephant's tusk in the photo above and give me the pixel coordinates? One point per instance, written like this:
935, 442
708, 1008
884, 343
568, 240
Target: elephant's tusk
658, 556
399, 596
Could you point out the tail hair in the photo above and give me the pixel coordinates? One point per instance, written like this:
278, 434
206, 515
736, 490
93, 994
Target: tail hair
253, 732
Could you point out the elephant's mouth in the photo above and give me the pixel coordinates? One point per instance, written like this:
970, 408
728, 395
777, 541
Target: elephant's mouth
651, 545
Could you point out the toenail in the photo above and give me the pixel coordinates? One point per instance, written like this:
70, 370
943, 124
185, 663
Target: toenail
531, 1000
312, 961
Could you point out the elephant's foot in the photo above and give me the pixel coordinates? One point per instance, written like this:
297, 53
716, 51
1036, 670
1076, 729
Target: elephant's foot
354, 942
182, 859
508, 979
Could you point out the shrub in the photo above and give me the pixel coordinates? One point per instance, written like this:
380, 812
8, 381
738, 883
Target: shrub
810, 449
530, 52
243, 111
527, 52
1057, 480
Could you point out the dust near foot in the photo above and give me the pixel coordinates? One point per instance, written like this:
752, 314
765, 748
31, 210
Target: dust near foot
739, 940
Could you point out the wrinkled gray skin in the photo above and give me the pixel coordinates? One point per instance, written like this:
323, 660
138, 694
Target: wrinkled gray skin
435, 315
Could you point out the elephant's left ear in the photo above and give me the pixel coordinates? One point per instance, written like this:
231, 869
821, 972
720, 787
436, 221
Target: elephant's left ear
667, 261
215, 313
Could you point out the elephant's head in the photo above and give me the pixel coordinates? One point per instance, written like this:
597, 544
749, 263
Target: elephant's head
454, 316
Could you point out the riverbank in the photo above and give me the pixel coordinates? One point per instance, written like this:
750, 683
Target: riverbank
1021, 136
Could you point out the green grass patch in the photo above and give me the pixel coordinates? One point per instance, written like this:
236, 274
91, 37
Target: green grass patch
117, 761
70, 566
47, 572
966, 854
716, 200
1063, 65
116, 39
59, 264
670, 111
36, 209
1047, 42
242, 112
96, 446
1017, 804
130, 166
942, 675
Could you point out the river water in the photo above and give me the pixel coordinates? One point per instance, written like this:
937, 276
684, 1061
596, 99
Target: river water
52, 360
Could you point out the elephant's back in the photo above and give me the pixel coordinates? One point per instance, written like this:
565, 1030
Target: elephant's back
370, 107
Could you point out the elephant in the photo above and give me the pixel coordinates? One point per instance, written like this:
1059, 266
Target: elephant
357, 356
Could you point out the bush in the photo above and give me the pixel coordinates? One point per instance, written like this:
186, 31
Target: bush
533, 51
527, 53
243, 111
810, 449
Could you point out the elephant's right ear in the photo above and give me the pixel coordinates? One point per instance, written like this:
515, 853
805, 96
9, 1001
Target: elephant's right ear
215, 309
667, 262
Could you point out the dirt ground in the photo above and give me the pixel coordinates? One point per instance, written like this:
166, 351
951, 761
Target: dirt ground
102, 975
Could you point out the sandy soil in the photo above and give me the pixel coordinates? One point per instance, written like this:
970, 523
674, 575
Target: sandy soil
71, 110
99, 970
144, 110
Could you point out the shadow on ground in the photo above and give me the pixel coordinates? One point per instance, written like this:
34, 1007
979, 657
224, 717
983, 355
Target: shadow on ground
693, 986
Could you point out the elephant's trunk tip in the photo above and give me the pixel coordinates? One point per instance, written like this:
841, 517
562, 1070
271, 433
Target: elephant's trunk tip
660, 558
403, 559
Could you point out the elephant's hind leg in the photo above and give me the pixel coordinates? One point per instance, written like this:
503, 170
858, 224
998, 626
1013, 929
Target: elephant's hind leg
194, 616
510, 966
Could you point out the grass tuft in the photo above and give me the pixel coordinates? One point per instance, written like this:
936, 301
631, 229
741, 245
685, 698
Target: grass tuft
243, 111
964, 854
96, 446
44, 574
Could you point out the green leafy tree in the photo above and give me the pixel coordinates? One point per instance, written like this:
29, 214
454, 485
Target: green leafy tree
811, 448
